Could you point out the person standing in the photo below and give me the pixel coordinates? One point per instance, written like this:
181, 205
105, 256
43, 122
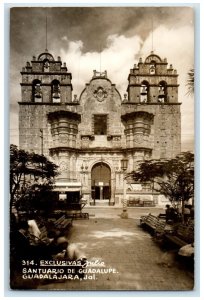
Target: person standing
186, 213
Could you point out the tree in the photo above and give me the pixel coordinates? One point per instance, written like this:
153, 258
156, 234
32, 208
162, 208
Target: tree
173, 178
31, 176
190, 82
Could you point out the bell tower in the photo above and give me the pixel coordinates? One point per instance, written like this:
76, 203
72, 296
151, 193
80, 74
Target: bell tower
45, 88
45, 80
151, 112
152, 81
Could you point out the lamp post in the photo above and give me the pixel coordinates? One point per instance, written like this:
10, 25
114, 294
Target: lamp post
124, 165
41, 136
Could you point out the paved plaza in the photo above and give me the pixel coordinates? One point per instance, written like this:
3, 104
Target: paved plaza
133, 259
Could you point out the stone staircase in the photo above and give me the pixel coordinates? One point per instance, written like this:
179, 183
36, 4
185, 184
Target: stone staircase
104, 202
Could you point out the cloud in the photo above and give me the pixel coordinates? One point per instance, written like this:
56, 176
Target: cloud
64, 38
119, 55
177, 45
117, 58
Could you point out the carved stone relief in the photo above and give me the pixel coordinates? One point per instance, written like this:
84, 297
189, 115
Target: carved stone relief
63, 166
63, 138
100, 94
138, 138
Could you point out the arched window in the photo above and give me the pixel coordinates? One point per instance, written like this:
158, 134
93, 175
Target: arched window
152, 69
37, 91
55, 91
162, 97
100, 124
46, 65
144, 92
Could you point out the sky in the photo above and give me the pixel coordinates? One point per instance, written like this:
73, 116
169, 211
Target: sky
104, 38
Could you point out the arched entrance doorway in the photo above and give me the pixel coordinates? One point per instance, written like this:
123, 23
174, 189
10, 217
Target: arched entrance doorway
101, 181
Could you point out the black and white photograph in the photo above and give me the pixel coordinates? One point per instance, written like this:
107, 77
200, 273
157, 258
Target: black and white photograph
101, 136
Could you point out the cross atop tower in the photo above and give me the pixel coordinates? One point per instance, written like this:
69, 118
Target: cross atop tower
46, 50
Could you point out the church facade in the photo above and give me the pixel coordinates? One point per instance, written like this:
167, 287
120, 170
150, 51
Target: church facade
97, 138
